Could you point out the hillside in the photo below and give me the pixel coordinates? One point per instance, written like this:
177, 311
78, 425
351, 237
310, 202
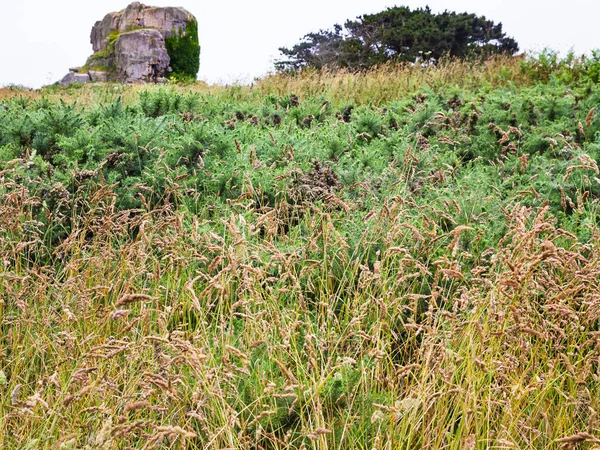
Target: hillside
403, 258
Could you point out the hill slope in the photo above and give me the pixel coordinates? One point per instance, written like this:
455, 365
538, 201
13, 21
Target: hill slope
406, 258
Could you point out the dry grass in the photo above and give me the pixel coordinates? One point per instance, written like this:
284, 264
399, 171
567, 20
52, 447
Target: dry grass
180, 337
246, 327
395, 81
375, 86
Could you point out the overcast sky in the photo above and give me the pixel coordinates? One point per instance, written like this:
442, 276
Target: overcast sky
41, 39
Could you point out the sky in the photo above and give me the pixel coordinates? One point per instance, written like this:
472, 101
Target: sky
41, 39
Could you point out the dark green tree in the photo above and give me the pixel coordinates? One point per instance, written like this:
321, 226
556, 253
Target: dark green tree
398, 34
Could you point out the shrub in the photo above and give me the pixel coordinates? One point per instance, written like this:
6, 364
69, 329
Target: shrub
184, 50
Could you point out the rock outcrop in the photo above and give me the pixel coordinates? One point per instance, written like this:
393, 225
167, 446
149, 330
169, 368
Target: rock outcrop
168, 21
141, 44
75, 77
141, 55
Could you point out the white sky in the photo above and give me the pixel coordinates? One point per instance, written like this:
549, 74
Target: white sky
41, 39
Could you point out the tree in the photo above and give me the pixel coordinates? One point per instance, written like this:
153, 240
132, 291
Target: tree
398, 34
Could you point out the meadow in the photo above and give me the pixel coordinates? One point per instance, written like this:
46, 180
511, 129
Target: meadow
406, 257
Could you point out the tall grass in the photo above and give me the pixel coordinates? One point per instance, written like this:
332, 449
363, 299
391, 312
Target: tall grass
419, 272
390, 82
197, 336
381, 84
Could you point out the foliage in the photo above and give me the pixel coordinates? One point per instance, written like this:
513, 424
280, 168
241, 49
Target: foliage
398, 34
317, 261
184, 50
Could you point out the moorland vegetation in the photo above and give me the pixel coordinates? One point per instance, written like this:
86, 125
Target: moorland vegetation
405, 257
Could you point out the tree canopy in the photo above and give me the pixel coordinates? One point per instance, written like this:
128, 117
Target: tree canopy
398, 34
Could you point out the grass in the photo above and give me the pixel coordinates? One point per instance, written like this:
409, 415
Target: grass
406, 258
374, 87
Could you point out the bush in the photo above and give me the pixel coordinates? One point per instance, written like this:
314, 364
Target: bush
184, 50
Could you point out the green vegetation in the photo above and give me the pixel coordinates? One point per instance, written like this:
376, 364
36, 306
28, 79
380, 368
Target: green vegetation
402, 258
102, 68
102, 54
184, 51
112, 40
103, 60
99, 68
398, 34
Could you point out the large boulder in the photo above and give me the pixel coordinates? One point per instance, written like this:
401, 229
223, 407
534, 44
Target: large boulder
141, 55
168, 21
74, 77
143, 44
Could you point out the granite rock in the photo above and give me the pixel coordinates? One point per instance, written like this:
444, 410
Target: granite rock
141, 55
99, 76
129, 45
74, 77
167, 20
